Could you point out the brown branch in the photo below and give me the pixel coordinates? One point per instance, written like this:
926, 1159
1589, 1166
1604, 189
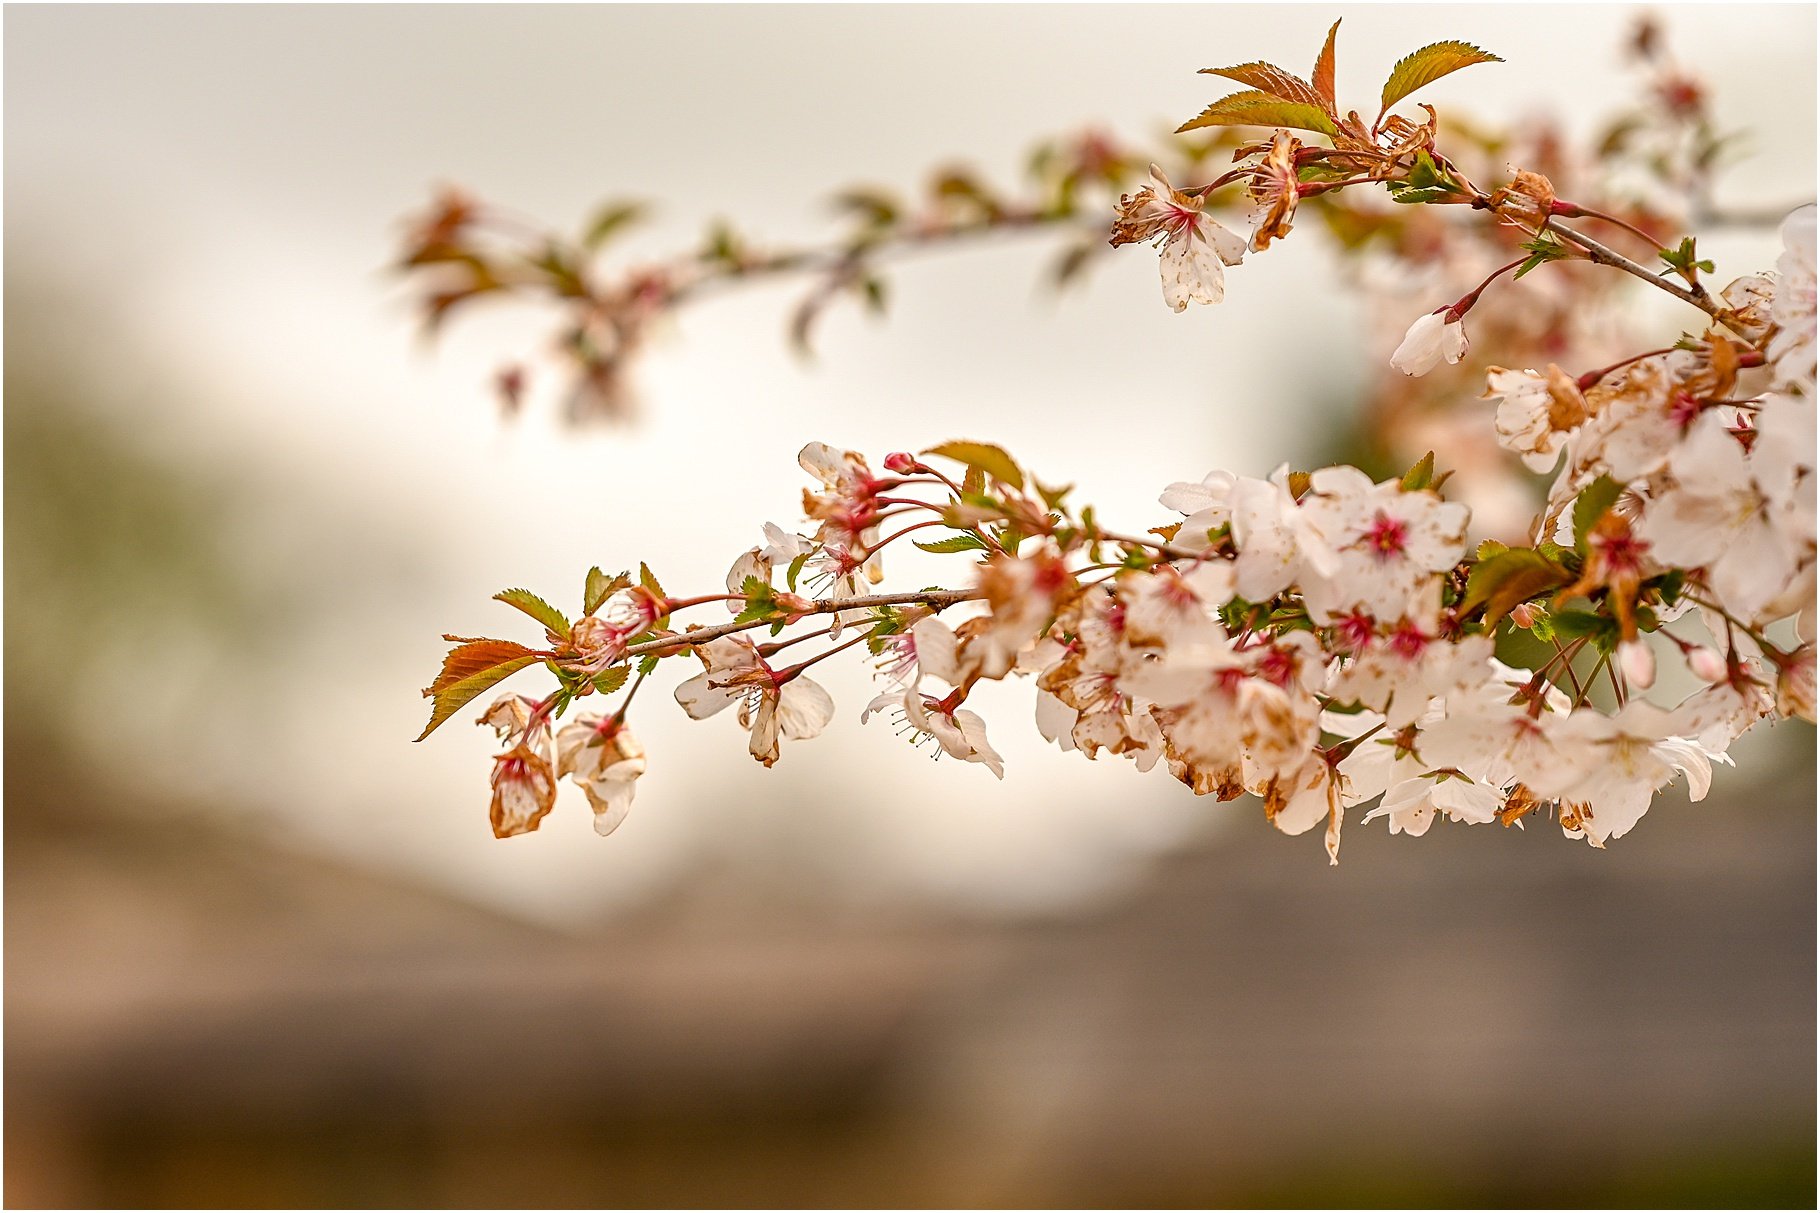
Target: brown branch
939, 599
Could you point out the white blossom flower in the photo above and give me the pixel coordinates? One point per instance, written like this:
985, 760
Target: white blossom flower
604, 759
508, 716
1023, 594
962, 733
1195, 248
1795, 684
1206, 506
1537, 414
795, 710
1431, 340
941, 654
1297, 802
1389, 544
1413, 803
957, 732
782, 547
1211, 494
1490, 737
524, 789
1055, 720
1278, 543
1782, 465
1399, 673
1640, 417
1716, 515
1615, 765
1791, 350
1225, 727
1724, 710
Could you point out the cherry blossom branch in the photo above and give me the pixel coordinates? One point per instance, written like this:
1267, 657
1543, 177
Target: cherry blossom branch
1330, 610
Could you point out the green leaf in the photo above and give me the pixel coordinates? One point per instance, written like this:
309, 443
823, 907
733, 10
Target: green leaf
1072, 263
1425, 173
1586, 625
954, 543
1052, 497
755, 612
470, 668
1508, 578
536, 608
761, 601
1270, 79
1683, 261
648, 579
1542, 250
872, 290
648, 663
611, 680
1255, 108
599, 588
1594, 500
1415, 197
1421, 475
877, 208
992, 460
610, 220
1423, 67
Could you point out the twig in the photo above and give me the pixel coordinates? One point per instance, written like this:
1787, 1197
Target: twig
1611, 257
939, 599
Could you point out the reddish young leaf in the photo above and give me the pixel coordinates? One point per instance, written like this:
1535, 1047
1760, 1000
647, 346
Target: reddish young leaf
1323, 70
470, 668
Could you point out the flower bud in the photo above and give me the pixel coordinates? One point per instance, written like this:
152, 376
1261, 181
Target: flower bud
1524, 615
1638, 663
793, 605
901, 462
1430, 340
1707, 664
1795, 684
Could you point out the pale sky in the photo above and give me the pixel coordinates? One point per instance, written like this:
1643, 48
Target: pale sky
226, 184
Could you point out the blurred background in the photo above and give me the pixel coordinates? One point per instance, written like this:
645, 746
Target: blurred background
261, 950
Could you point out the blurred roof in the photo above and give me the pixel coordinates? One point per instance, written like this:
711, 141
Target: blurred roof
198, 1015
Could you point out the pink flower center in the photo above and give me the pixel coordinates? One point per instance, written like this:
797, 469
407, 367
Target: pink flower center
1683, 409
1387, 536
1623, 553
1354, 632
1180, 219
1277, 666
1408, 641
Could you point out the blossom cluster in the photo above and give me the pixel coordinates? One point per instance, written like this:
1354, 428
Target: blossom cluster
1322, 640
